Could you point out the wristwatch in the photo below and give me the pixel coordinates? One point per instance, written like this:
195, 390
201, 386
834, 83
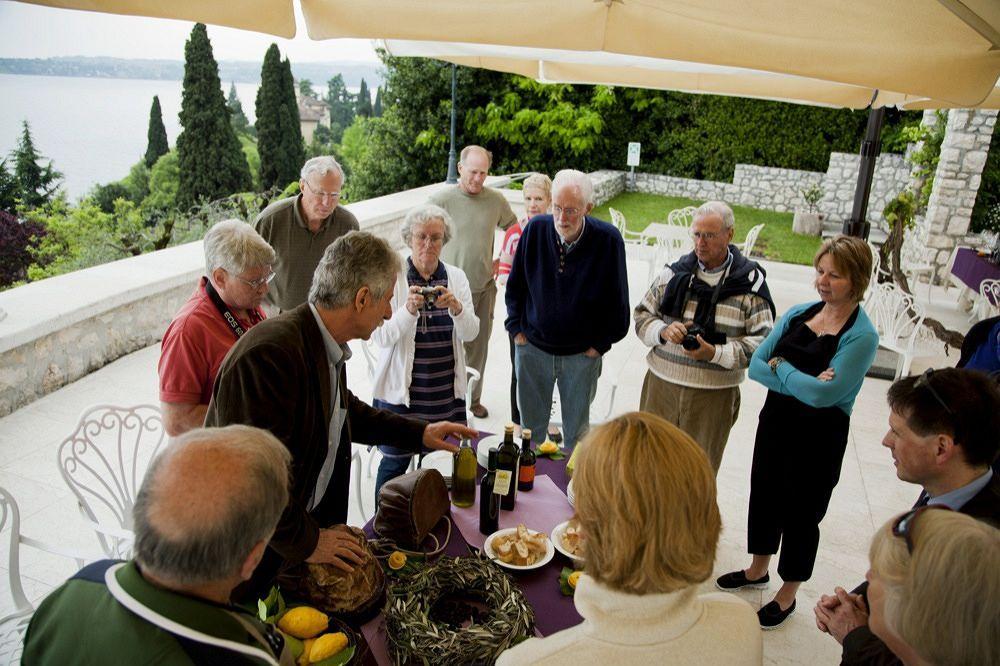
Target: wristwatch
774, 363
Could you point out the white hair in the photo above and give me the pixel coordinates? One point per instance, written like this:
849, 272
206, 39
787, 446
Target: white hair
355, 260
423, 214
717, 208
576, 179
235, 246
320, 166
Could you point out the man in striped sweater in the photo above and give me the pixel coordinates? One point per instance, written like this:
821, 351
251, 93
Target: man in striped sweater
703, 317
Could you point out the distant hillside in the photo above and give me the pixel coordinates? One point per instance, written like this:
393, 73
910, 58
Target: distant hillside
173, 70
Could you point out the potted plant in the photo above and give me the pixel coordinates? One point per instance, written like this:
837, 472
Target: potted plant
810, 220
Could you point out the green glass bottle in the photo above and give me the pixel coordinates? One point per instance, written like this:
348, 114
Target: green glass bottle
508, 468
463, 476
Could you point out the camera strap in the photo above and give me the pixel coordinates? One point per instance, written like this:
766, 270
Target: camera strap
234, 324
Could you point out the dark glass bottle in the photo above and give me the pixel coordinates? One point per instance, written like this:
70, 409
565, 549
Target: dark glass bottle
463, 476
526, 475
489, 501
508, 457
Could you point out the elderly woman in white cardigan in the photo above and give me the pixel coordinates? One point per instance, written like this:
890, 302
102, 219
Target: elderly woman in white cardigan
421, 361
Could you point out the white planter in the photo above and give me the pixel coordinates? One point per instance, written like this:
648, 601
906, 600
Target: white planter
808, 224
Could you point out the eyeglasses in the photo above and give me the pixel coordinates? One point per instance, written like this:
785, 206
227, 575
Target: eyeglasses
332, 196
903, 527
259, 282
924, 380
704, 235
568, 212
435, 239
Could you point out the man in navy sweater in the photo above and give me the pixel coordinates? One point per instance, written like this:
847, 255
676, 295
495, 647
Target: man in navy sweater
567, 303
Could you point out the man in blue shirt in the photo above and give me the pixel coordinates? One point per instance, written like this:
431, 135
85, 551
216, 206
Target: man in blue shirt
567, 303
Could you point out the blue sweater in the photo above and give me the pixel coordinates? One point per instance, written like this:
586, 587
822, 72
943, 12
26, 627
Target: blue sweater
851, 361
585, 305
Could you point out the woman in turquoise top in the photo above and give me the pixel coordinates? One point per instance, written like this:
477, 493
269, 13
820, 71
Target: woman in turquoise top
813, 364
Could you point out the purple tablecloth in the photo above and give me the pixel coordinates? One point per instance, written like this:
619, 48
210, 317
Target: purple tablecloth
972, 269
553, 610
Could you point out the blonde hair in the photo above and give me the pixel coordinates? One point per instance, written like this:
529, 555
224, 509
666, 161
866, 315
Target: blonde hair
944, 599
539, 181
645, 498
853, 258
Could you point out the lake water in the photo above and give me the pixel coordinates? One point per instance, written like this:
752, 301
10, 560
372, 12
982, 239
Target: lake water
93, 129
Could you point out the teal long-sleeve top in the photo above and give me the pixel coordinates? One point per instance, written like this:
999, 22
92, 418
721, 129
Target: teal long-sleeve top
853, 358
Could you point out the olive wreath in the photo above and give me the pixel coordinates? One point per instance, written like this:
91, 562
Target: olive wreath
414, 637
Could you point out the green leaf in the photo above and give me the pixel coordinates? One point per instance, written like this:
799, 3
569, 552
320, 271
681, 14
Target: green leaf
564, 582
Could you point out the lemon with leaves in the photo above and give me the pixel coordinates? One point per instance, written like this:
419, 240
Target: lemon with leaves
303, 622
573, 579
326, 646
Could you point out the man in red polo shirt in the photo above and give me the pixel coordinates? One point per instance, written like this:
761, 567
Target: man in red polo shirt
225, 304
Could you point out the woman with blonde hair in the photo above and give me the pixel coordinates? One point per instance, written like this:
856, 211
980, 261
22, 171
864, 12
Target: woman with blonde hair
645, 500
934, 588
813, 364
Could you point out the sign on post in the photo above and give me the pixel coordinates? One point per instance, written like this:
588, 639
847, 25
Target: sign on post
634, 148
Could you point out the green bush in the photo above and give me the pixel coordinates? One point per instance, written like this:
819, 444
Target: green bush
986, 213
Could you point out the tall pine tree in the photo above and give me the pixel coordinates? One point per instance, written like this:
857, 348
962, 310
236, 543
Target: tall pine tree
8, 189
35, 183
341, 103
211, 162
237, 117
377, 109
364, 106
279, 135
156, 135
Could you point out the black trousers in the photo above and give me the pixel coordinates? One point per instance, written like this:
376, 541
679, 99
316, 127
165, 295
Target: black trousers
797, 457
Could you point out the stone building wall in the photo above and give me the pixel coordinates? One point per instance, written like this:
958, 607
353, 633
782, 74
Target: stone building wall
892, 176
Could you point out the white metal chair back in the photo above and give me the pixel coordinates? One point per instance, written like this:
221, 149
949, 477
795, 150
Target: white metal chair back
682, 217
643, 248
987, 302
103, 462
897, 318
746, 247
14, 625
915, 260
618, 220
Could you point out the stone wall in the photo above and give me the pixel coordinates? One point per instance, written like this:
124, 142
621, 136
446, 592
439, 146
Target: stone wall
892, 176
607, 185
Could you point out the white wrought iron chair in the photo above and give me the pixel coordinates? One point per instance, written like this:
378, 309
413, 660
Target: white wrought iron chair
683, 217
644, 250
103, 462
555, 417
916, 263
14, 625
897, 318
987, 302
746, 247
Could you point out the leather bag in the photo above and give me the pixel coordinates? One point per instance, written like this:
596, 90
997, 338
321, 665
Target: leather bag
410, 506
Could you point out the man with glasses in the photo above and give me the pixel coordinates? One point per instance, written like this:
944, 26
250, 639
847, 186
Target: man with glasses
567, 303
300, 228
224, 305
702, 318
476, 212
942, 435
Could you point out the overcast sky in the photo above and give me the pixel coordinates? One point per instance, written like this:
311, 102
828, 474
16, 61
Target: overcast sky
31, 31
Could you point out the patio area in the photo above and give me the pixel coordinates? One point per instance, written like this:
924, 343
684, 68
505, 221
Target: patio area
868, 493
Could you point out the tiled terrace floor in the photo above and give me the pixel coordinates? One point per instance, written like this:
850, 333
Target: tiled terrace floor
868, 493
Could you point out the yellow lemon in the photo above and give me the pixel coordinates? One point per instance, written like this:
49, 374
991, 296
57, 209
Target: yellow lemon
307, 644
326, 646
397, 560
548, 447
303, 622
573, 578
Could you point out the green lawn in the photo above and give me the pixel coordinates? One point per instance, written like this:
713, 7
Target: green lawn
776, 241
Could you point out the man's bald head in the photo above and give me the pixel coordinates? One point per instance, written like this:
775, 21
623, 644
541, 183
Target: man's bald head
207, 501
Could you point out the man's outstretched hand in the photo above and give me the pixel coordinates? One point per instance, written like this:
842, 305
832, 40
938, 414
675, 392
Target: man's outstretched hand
435, 434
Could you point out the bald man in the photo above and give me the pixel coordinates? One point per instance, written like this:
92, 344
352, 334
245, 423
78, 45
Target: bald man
203, 516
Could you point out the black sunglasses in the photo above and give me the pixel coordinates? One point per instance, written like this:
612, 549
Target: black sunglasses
903, 527
924, 380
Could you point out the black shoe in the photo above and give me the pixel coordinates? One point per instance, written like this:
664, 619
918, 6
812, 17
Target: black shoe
771, 616
737, 580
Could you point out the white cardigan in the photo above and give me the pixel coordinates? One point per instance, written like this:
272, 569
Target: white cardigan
395, 337
677, 628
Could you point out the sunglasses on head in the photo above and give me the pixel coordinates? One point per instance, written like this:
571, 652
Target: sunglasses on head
903, 527
924, 380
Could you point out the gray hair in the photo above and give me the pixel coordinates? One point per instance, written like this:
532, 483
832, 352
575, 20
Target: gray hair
355, 260
194, 525
576, 179
423, 214
235, 246
468, 149
716, 208
320, 166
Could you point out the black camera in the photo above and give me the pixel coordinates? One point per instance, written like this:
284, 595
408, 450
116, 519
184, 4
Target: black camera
690, 341
430, 295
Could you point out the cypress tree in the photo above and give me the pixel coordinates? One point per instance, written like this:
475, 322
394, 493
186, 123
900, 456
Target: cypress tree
211, 162
8, 189
341, 103
364, 105
35, 183
279, 136
377, 109
156, 135
237, 117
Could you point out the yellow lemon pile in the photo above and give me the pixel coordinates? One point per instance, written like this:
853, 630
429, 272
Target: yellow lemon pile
307, 624
548, 447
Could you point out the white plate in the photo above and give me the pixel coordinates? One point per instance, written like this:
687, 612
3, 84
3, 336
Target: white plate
569, 493
546, 558
557, 534
442, 461
483, 449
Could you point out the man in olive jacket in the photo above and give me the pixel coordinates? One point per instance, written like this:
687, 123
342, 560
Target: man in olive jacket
288, 377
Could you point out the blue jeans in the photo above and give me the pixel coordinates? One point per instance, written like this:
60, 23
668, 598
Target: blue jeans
538, 372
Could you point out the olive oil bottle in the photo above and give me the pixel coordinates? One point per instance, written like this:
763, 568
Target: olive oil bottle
463, 476
489, 501
508, 463
526, 476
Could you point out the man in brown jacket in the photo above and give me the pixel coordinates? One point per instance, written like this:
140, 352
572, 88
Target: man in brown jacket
286, 375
